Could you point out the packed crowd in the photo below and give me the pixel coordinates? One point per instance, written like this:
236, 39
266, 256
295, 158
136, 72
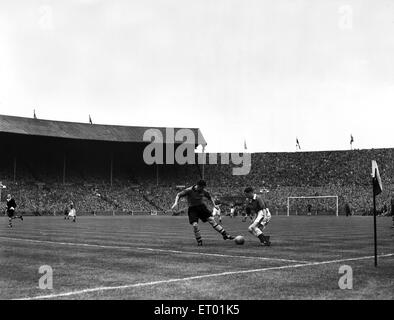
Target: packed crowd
52, 199
346, 174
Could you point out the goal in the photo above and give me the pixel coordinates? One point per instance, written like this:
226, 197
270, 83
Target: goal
312, 205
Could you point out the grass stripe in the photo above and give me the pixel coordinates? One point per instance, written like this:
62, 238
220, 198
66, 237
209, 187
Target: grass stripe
152, 283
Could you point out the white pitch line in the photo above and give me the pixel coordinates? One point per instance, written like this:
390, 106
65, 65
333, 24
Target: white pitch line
153, 250
112, 235
145, 284
225, 255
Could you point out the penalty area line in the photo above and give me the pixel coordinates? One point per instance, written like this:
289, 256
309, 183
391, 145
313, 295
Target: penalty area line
152, 283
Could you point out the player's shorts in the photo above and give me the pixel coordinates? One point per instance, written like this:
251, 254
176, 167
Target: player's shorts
10, 213
198, 212
216, 213
262, 218
72, 213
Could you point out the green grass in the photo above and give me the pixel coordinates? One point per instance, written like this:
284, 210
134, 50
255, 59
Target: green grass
134, 251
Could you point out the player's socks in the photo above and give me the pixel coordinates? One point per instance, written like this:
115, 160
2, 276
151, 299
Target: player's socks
223, 232
218, 228
197, 234
262, 238
226, 236
267, 241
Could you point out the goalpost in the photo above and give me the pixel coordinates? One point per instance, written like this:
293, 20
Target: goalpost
307, 199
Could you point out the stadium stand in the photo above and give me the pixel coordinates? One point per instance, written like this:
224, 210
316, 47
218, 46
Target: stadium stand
45, 164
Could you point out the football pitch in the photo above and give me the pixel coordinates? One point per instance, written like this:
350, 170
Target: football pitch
156, 257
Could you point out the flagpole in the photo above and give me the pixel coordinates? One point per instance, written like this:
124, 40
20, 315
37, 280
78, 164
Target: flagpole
374, 223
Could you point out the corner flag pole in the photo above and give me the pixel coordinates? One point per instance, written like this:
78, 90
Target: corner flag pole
374, 226
377, 189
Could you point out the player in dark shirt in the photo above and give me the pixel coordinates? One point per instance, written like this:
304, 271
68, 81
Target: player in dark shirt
257, 205
66, 210
348, 211
11, 206
198, 210
309, 209
248, 213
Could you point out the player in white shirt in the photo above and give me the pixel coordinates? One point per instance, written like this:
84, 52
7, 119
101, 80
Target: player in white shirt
72, 213
216, 213
232, 211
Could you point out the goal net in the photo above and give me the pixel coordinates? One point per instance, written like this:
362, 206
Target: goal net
312, 205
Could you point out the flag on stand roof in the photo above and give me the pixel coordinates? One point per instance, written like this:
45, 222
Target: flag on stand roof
377, 181
298, 144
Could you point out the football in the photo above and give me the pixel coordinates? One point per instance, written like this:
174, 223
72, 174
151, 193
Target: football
239, 240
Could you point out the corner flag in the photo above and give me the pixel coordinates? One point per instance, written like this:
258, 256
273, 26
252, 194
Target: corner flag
376, 180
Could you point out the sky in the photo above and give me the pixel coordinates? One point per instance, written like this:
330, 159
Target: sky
261, 71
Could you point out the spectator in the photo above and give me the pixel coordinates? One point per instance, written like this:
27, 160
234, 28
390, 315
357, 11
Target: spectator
385, 210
